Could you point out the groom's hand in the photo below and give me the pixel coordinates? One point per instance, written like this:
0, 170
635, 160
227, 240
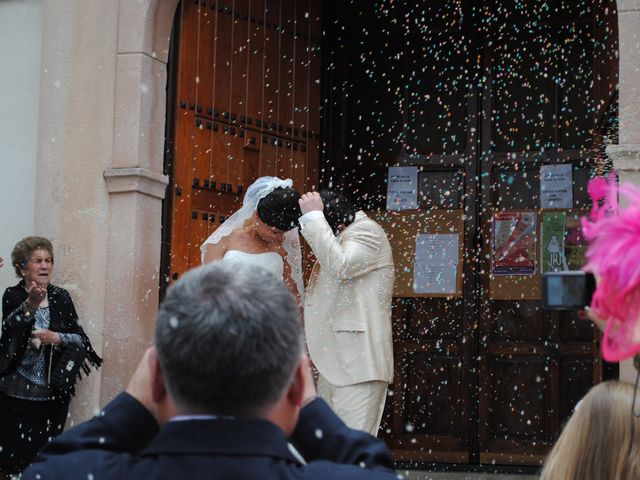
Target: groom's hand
310, 201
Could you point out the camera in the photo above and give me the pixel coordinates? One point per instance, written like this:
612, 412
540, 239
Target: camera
568, 290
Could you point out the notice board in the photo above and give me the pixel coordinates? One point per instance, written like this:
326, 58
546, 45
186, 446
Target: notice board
403, 228
570, 241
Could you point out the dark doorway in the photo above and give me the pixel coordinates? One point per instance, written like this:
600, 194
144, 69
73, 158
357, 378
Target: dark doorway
479, 95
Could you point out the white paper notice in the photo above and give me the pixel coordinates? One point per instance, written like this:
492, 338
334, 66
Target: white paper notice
402, 188
435, 266
556, 186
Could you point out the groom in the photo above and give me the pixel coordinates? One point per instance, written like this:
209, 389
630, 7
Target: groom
347, 308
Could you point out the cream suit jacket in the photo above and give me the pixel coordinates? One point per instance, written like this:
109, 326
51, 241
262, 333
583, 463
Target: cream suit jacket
347, 307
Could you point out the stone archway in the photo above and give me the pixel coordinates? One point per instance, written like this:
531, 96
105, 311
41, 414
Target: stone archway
120, 63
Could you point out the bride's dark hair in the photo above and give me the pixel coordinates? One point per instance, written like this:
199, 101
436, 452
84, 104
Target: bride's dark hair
280, 209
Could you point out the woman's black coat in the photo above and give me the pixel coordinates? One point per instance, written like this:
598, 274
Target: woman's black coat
17, 328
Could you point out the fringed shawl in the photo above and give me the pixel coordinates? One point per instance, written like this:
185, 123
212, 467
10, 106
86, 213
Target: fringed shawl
16, 328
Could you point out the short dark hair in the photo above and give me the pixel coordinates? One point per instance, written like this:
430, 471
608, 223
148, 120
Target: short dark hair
23, 250
229, 339
338, 210
280, 209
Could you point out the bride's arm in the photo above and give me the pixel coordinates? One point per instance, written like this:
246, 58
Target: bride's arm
288, 279
215, 251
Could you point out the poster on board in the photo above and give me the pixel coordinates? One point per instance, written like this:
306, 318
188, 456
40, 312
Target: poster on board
402, 188
562, 246
514, 243
556, 186
552, 253
435, 267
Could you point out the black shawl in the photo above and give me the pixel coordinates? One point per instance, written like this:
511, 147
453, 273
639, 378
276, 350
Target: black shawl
16, 327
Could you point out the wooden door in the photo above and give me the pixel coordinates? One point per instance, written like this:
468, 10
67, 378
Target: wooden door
538, 109
478, 95
246, 103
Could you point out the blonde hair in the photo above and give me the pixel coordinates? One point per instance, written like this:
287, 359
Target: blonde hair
600, 441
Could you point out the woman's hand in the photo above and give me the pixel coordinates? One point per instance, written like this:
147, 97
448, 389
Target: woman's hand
37, 294
46, 337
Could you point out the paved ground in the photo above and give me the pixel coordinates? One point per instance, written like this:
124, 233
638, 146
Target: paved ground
416, 475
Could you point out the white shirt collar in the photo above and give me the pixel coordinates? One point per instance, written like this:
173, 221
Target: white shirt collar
183, 418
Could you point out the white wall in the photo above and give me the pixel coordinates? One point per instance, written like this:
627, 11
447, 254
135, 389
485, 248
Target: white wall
20, 41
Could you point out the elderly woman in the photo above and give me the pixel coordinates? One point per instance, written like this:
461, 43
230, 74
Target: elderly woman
42, 350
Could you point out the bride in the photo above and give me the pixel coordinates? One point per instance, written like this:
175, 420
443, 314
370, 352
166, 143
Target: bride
263, 232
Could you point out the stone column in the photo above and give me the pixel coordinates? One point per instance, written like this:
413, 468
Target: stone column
626, 155
136, 185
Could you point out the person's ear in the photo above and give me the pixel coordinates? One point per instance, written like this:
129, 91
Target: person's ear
158, 389
297, 388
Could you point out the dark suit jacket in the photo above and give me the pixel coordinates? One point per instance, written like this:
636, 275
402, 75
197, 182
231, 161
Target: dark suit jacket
123, 442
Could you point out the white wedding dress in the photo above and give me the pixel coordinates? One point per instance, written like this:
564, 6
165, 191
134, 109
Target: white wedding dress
270, 261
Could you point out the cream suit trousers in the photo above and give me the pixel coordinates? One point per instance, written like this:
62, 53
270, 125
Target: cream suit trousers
360, 406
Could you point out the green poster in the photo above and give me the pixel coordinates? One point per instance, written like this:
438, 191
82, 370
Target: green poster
553, 239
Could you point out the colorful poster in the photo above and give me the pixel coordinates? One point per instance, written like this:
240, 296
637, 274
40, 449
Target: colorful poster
556, 186
563, 246
435, 268
553, 241
514, 243
402, 188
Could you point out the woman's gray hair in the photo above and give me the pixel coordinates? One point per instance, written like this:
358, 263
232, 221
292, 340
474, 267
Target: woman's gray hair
229, 339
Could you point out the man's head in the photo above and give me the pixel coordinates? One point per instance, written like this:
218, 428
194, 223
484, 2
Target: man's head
229, 340
338, 210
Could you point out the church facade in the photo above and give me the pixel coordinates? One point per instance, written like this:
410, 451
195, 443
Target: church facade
86, 160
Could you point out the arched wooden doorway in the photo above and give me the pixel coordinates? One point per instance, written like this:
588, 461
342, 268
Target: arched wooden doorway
477, 94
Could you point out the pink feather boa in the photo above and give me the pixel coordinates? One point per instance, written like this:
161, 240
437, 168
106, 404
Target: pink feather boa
614, 256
